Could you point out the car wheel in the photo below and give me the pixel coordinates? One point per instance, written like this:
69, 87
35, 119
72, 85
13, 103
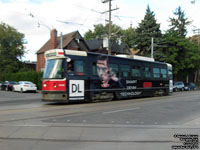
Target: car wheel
21, 90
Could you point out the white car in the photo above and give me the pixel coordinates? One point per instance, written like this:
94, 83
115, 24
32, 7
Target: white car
23, 86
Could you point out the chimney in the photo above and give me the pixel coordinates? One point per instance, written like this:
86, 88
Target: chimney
53, 39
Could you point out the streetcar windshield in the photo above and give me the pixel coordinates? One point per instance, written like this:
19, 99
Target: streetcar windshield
53, 69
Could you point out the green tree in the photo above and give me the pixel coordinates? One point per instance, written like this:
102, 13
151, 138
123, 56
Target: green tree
180, 23
11, 48
129, 36
147, 29
101, 31
126, 35
182, 52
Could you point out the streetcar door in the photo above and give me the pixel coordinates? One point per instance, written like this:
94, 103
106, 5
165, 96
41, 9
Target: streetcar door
76, 80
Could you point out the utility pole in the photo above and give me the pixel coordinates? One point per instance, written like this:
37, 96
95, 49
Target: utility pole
110, 24
197, 31
152, 47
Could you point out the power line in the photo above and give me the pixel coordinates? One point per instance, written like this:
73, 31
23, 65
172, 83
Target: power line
68, 22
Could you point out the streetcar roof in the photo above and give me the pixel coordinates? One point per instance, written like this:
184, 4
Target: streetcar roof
59, 53
136, 57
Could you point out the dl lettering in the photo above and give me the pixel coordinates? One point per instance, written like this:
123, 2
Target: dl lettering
76, 88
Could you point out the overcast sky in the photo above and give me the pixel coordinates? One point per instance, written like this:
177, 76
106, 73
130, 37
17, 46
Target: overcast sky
81, 15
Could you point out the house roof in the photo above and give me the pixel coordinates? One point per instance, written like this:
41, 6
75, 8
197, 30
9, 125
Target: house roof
96, 44
67, 38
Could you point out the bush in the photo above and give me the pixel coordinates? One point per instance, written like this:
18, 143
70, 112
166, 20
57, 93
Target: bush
35, 77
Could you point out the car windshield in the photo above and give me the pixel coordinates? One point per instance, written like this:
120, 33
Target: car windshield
28, 83
53, 69
175, 83
12, 82
178, 83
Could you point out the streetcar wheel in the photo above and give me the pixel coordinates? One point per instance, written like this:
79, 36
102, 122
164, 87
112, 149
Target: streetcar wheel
117, 96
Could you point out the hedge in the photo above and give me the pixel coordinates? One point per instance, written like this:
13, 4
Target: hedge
35, 77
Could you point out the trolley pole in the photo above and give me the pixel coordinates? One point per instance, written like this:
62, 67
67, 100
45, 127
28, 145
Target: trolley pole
61, 40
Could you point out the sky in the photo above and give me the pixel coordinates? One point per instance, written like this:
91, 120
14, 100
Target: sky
35, 18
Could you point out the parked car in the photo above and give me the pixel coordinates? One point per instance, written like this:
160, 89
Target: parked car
190, 86
178, 86
23, 86
8, 85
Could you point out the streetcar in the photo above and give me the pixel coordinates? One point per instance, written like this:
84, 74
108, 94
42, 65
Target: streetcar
71, 76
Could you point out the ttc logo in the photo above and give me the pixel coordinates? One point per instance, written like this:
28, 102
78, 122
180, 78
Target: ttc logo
76, 88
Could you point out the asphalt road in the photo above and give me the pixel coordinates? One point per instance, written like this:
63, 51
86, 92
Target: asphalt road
19, 98
146, 123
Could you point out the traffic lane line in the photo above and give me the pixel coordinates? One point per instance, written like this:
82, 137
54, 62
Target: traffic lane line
120, 110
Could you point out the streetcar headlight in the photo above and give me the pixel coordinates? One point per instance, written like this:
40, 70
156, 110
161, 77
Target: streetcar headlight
55, 85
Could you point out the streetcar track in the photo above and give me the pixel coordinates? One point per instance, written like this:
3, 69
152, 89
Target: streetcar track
96, 126
82, 110
90, 141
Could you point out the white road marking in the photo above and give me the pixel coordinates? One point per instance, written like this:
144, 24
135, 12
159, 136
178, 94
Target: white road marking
116, 111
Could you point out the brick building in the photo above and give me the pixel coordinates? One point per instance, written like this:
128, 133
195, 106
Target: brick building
73, 41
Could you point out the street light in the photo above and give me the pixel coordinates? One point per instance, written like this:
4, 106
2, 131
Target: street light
39, 24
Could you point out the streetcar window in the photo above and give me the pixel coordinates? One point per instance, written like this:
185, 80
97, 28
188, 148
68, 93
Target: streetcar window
125, 70
79, 67
135, 71
113, 69
156, 72
53, 69
163, 73
147, 72
75, 67
70, 66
